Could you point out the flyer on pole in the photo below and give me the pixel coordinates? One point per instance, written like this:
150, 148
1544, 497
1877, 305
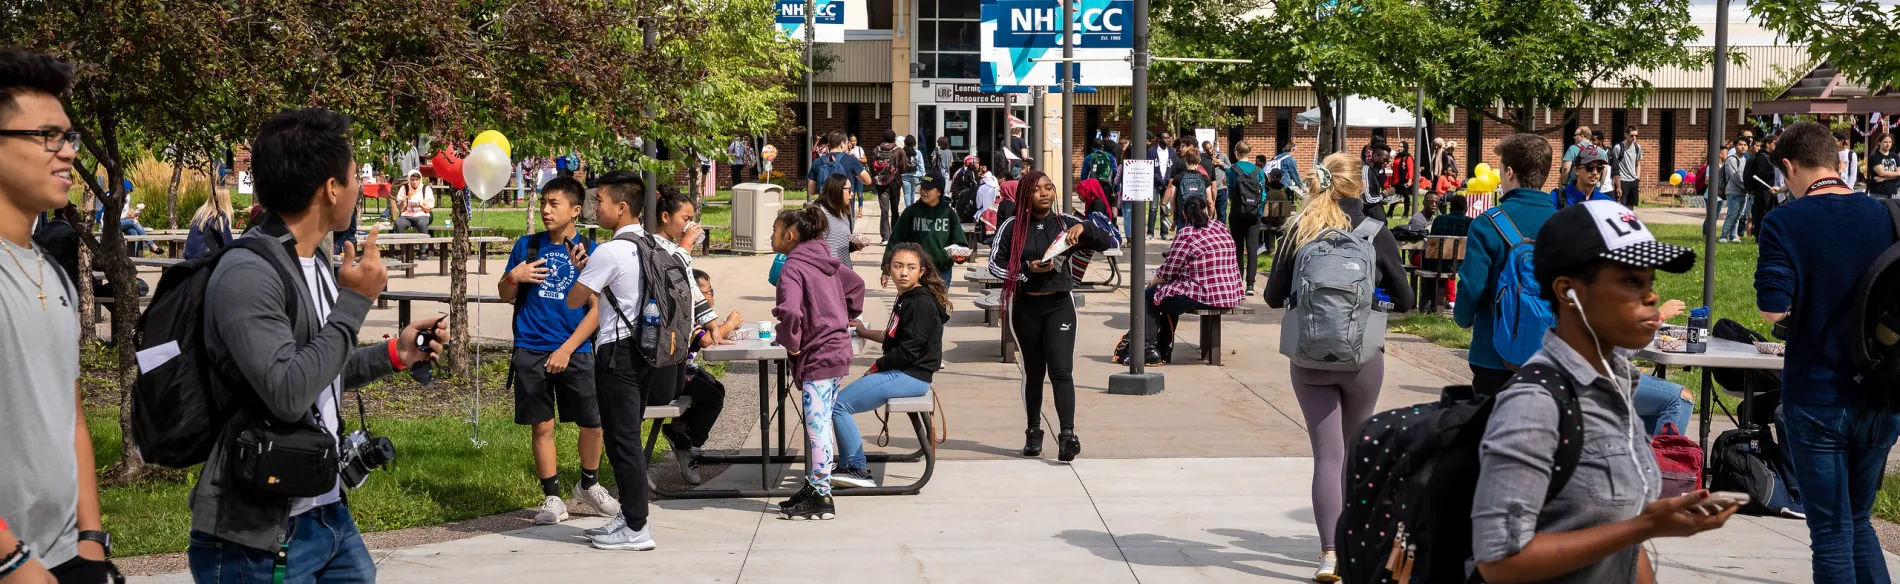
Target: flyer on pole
1138, 180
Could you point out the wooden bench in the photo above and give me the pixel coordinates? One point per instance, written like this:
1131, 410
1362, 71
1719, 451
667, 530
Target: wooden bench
403, 300
994, 315
1210, 330
919, 409
1442, 256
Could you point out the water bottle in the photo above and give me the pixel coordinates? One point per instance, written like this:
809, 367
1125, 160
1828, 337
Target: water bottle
1698, 325
650, 334
1384, 300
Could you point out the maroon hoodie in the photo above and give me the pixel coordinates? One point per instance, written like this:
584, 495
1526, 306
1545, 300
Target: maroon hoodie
817, 298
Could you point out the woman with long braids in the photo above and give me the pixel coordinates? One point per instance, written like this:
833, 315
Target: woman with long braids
1036, 295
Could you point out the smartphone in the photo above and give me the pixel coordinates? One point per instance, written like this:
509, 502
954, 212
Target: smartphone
1718, 502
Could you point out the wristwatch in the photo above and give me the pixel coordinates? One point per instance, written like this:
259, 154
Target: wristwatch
104, 539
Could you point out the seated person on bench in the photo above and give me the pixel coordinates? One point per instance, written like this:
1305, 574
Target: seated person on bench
703, 396
913, 351
1659, 401
1200, 272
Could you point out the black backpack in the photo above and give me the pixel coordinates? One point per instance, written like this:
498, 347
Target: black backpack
665, 280
1411, 478
1193, 184
963, 195
1249, 191
1875, 312
180, 406
1749, 461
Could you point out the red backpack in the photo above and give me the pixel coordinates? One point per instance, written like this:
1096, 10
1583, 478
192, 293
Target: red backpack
1679, 459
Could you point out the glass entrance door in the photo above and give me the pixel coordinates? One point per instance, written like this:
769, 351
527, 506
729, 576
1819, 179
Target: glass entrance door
959, 124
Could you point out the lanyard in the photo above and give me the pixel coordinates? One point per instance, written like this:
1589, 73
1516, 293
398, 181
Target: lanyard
1829, 182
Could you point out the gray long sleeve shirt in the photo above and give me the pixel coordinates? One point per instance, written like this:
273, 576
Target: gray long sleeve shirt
1732, 175
1614, 479
286, 360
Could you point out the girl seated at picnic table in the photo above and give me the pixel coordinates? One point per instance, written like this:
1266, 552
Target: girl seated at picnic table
1200, 272
211, 227
416, 202
913, 351
817, 298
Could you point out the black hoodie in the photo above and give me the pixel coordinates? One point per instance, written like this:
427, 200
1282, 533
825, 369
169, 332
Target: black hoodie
913, 340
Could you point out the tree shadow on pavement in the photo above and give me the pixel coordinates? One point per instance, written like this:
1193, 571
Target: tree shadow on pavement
1142, 548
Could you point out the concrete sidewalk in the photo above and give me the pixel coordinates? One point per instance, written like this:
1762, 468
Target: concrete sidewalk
1098, 521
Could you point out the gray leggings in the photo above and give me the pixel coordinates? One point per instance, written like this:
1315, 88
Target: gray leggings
1335, 404
416, 224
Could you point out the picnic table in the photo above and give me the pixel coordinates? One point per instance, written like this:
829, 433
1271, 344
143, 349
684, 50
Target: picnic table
160, 263
407, 245
170, 250
403, 300
471, 228
1722, 353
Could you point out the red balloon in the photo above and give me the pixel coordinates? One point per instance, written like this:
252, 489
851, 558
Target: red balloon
448, 167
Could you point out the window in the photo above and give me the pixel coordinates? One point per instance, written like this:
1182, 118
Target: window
880, 15
948, 41
927, 36
1282, 129
958, 36
1237, 132
1093, 126
854, 124
1666, 146
970, 9
926, 8
1619, 123
1474, 140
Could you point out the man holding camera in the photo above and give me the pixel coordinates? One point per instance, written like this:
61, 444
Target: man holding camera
286, 325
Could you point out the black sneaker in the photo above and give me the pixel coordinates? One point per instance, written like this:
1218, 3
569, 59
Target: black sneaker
812, 506
1067, 446
852, 477
1032, 447
797, 498
1153, 358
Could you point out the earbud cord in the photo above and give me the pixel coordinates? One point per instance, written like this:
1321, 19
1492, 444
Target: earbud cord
1655, 565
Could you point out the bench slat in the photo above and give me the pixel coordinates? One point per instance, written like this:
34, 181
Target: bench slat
905, 405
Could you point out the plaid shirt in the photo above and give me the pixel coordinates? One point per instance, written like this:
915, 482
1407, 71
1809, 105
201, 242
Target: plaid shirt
1201, 266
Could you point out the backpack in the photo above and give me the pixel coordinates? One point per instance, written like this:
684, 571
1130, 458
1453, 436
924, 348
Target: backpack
665, 280
1874, 311
910, 163
825, 166
1679, 459
1519, 316
1100, 167
963, 195
1749, 461
1331, 322
1249, 191
884, 165
1407, 516
180, 405
60, 241
1193, 184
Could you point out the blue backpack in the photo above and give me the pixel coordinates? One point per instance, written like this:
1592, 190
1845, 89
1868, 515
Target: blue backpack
826, 166
1521, 316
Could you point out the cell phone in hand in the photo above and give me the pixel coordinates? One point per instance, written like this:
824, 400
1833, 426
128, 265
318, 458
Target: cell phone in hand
1719, 502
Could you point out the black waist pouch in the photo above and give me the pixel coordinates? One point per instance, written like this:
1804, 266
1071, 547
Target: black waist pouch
290, 460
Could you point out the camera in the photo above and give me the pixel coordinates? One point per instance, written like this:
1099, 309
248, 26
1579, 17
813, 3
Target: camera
364, 452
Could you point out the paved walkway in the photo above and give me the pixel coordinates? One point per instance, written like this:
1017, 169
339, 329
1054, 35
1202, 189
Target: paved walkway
1173, 520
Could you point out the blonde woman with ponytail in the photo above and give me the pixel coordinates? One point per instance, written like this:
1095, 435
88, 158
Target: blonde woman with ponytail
1334, 403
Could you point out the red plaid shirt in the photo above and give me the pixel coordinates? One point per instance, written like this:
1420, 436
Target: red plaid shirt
1201, 266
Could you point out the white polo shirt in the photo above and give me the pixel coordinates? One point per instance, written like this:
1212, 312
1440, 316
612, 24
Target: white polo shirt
615, 265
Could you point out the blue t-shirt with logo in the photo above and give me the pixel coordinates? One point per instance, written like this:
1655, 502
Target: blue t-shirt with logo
545, 322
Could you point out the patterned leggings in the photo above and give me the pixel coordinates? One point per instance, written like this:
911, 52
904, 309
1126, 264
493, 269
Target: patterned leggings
820, 396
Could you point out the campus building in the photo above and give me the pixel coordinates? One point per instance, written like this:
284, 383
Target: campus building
916, 69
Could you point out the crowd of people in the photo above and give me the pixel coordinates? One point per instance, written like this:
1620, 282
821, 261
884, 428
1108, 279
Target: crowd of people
1558, 288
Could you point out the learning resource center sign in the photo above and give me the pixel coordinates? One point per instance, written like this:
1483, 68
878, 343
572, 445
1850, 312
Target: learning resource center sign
829, 16
1014, 32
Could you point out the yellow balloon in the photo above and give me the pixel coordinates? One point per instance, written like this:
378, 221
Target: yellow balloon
1483, 168
494, 137
1491, 177
1483, 184
1675, 179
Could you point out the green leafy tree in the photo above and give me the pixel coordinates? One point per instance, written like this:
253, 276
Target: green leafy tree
1859, 37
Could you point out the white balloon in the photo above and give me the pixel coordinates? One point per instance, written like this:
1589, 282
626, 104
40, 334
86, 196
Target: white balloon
487, 170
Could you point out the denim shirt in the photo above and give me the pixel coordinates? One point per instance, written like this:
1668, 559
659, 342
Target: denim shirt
1615, 477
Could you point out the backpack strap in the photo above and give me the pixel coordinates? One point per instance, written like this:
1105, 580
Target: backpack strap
1502, 222
1557, 384
1368, 229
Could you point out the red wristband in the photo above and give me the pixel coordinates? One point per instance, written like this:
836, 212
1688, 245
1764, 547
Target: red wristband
395, 357
3, 524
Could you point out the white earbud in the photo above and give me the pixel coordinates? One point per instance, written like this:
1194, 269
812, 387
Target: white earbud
1572, 293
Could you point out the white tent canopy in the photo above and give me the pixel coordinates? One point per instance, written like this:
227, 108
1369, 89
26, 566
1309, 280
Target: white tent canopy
1366, 112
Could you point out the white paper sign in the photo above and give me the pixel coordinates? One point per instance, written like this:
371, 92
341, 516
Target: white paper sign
1138, 180
1203, 136
245, 187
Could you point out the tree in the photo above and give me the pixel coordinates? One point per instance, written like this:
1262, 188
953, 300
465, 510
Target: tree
1858, 37
1475, 54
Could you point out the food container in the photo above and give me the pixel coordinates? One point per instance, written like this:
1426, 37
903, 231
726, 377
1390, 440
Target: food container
1768, 348
742, 334
1669, 344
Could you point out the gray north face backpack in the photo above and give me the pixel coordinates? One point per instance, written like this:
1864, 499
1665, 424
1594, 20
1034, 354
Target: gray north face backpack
1332, 322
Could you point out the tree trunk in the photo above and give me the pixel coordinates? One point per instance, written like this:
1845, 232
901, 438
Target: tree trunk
1526, 119
171, 195
458, 360
692, 190
125, 319
88, 311
1326, 121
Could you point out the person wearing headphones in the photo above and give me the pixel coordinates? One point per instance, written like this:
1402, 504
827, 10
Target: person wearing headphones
1596, 264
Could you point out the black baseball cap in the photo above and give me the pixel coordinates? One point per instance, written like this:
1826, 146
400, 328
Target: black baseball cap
931, 182
1590, 230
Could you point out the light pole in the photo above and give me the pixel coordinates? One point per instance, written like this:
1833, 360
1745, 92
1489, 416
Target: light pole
1068, 106
1718, 104
1137, 381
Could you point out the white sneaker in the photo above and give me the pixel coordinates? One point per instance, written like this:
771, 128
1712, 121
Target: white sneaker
618, 523
1328, 569
627, 539
553, 510
602, 502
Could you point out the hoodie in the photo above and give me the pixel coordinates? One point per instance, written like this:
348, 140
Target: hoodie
817, 298
913, 340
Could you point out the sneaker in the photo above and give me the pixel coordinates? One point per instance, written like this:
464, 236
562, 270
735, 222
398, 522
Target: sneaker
684, 457
813, 506
626, 539
1153, 358
1250, 290
618, 523
1328, 569
1067, 446
604, 504
796, 498
1032, 443
852, 477
553, 510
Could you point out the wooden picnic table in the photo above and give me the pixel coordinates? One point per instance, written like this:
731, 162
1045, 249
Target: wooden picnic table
408, 245
170, 250
471, 228
160, 263
403, 300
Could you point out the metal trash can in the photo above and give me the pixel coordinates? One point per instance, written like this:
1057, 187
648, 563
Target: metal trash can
754, 207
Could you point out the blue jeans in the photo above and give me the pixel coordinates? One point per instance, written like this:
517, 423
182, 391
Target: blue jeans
132, 227
1738, 206
1839, 455
1220, 205
910, 188
1659, 401
866, 394
324, 547
1128, 219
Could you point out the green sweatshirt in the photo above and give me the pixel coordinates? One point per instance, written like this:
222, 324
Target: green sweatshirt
934, 228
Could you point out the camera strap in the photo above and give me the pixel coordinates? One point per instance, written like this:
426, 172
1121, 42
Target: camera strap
336, 386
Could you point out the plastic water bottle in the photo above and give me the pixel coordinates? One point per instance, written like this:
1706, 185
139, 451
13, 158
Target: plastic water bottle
650, 334
1698, 325
1384, 300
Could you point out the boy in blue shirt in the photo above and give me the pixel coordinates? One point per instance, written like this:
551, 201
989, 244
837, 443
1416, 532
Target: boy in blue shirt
553, 361
1524, 164
1813, 252
1588, 172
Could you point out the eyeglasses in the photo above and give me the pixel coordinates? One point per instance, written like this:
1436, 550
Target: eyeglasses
53, 140
1595, 167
